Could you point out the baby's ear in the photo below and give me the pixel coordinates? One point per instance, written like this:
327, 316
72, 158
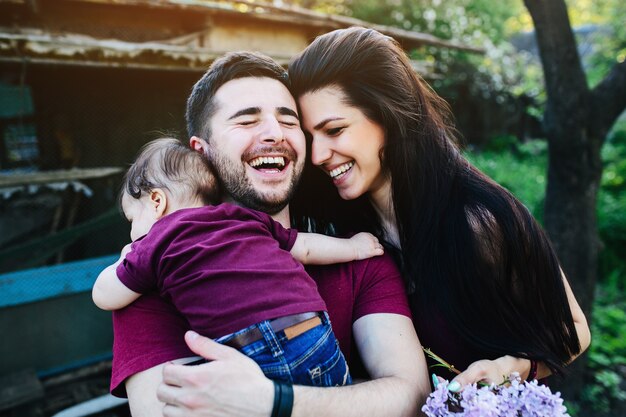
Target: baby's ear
158, 199
198, 144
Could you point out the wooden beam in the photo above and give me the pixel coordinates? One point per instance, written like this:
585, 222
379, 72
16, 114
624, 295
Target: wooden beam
44, 177
19, 388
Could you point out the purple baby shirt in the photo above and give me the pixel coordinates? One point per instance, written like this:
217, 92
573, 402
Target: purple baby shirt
224, 268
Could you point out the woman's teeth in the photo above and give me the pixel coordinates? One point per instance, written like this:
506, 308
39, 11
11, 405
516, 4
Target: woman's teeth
336, 173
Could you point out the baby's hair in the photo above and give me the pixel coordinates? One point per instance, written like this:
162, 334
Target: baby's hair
169, 164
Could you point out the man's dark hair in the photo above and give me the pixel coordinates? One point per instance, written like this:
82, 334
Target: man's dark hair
233, 65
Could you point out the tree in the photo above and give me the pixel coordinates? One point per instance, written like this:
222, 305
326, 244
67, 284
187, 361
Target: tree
576, 122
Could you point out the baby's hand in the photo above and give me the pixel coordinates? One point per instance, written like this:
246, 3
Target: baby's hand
366, 245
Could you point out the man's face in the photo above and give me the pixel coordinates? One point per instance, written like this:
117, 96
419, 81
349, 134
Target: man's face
256, 144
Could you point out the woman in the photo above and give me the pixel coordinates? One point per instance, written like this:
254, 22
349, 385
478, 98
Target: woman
485, 286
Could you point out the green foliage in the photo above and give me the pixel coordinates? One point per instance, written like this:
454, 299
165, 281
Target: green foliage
614, 157
607, 354
520, 168
480, 23
612, 206
609, 44
460, 20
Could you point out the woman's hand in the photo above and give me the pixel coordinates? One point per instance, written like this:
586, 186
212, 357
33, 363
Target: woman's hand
231, 384
491, 371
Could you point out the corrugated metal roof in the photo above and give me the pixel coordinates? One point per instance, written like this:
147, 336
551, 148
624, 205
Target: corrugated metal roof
270, 11
74, 49
54, 43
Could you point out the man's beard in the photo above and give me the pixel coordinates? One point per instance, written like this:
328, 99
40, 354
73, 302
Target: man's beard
237, 185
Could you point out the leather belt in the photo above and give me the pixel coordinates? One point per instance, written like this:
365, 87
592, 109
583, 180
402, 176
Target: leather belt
293, 326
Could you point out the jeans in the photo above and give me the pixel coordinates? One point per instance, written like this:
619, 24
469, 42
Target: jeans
311, 358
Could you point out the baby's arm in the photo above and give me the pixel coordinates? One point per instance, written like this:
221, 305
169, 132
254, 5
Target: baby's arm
316, 249
108, 292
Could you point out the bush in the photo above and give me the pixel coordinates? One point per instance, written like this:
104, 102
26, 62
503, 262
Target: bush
520, 168
612, 208
605, 388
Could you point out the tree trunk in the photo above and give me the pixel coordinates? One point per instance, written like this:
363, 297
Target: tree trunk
570, 219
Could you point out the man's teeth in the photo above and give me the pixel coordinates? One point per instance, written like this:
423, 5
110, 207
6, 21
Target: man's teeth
341, 169
277, 160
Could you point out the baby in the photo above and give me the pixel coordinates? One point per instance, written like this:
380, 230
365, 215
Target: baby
234, 273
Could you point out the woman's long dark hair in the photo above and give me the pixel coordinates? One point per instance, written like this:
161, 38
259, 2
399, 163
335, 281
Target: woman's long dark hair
469, 247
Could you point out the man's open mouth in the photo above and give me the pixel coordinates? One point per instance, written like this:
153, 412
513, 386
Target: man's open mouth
268, 163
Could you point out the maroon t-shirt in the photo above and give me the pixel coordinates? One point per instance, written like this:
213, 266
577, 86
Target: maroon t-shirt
223, 267
150, 331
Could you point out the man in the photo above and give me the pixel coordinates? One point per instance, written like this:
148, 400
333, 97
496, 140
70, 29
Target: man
243, 118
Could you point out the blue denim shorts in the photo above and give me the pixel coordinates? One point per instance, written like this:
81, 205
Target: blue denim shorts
312, 358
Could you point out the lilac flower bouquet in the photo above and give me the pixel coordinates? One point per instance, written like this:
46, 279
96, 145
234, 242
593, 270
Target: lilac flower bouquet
512, 399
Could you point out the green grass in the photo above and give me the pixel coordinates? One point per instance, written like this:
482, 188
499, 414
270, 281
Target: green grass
521, 169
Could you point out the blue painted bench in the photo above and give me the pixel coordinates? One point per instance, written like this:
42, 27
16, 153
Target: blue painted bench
48, 282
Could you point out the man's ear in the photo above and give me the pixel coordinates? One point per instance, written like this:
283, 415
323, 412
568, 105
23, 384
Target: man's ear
198, 144
158, 199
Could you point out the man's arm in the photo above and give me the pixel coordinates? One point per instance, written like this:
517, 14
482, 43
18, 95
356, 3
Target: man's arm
317, 249
394, 359
234, 385
141, 390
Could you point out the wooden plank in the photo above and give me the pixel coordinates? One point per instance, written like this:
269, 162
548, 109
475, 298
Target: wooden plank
53, 281
35, 251
84, 369
76, 174
19, 388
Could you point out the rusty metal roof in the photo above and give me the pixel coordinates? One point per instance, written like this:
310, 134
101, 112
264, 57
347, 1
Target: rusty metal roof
184, 50
275, 12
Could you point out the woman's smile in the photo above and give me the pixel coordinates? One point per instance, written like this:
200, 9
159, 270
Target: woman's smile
346, 144
340, 171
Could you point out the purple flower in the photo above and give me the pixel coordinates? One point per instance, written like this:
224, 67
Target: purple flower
539, 401
481, 402
437, 402
517, 399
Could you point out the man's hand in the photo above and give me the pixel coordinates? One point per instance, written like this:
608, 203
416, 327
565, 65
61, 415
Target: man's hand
365, 245
230, 385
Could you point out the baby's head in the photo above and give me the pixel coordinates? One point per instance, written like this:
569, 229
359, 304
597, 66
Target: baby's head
166, 176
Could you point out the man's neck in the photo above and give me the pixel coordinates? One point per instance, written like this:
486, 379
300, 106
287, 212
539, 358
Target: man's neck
282, 217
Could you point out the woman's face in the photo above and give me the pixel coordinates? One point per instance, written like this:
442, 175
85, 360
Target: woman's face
346, 144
